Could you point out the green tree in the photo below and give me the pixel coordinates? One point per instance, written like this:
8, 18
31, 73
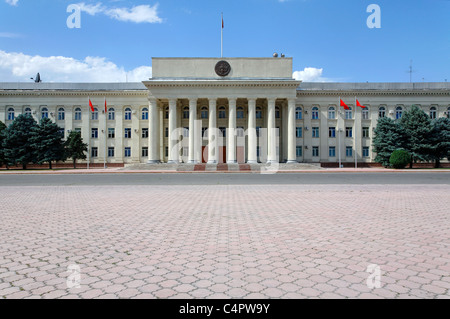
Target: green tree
47, 141
75, 148
17, 145
416, 125
2, 137
388, 137
400, 158
440, 140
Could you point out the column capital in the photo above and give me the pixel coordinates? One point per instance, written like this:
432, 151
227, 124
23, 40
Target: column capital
173, 101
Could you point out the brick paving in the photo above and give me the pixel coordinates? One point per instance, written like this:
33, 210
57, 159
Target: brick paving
243, 241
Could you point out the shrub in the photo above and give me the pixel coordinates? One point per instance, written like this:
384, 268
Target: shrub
399, 159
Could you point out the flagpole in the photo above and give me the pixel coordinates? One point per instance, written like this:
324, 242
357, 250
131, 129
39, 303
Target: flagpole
89, 133
221, 38
106, 140
339, 130
356, 140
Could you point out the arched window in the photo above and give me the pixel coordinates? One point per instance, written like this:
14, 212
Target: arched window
27, 111
331, 113
44, 113
258, 113
433, 112
11, 114
222, 113
111, 114
145, 113
277, 112
78, 114
127, 114
382, 112
61, 114
95, 115
349, 114
315, 113
398, 112
365, 113
186, 113
204, 113
298, 113
240, 113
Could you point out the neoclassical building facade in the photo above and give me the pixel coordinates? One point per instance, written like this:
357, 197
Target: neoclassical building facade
222, 110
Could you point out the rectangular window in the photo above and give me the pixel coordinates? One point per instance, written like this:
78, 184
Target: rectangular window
365, 151
166, 132
332, 132
111, 132
145, 133
315, 132
299, 132
94, 133
78, 129
94, 152
128, 133
145, 152
365, 132
315, 151
332, 151
223, 131
111, 152
185, 132
349, 151
348, 132
127, 151
299, 151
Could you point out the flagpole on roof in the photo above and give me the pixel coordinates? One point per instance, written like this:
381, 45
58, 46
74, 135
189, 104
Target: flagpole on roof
221, 38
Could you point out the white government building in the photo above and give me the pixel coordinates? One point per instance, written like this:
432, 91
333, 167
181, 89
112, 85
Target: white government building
222, 110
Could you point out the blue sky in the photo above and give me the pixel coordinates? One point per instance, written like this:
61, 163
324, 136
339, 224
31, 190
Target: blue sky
328, 39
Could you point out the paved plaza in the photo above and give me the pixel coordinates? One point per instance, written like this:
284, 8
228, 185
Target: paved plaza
225, 241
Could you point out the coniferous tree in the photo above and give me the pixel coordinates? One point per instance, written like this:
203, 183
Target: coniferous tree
388, 137
440, 140
75, 148
47, 141
416, 125
2, 137
17, 143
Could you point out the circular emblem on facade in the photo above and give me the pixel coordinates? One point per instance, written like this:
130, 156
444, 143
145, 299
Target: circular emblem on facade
223, 68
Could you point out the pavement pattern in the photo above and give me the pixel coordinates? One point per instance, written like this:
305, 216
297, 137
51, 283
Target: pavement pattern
225, 241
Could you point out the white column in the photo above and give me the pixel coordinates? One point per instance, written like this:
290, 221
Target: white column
153, 150
271, 133
252, 158
192, 135
173, 154
213, 150
292, 140
231, 133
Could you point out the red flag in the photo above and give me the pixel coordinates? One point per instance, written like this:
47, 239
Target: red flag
344, 105
106, 107
90, 104
222, 23
359, 104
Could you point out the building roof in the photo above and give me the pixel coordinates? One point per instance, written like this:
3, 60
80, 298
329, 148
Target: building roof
385, 86
135, 86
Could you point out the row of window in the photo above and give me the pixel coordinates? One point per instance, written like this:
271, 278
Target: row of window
332, 151
222, 113
332, 132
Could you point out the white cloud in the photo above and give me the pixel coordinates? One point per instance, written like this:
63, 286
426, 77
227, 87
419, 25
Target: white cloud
309, 75
12, 2
9, 35
137, 14
20, 67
